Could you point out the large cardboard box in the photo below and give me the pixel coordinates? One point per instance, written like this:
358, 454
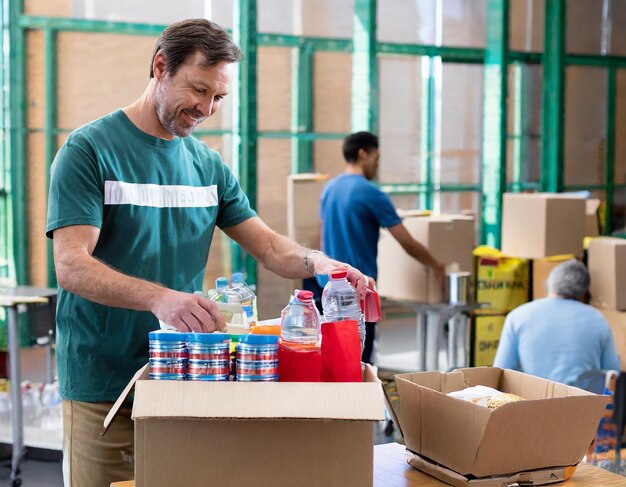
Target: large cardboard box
553, 427
303, 203
541, 269
606, 259
251, 433
592, 217
450, 238
537, 225
617, 323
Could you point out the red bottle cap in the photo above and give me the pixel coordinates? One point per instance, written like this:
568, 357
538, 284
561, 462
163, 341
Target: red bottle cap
339, 274
304, 295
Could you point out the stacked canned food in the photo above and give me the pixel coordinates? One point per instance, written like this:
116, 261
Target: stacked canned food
257, 358
168, 355
209, 356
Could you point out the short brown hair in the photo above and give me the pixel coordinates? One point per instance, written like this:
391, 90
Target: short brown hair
182, 39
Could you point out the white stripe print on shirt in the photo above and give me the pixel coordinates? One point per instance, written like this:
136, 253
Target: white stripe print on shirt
160, 196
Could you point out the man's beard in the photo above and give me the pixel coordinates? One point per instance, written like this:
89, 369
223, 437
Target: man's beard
171, 123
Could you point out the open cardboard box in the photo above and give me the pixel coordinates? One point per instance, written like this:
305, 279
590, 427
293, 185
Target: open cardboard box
253, 433
461, 443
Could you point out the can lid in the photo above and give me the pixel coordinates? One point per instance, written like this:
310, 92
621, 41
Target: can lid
215, 337
259, 339
339, 274
168, 336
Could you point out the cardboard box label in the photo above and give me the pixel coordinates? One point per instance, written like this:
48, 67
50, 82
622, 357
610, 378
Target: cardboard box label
501, 281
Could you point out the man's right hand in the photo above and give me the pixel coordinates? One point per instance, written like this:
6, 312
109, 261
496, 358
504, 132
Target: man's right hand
188, 312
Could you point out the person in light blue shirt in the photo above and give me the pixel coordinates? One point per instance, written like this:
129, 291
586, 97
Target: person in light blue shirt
559, 337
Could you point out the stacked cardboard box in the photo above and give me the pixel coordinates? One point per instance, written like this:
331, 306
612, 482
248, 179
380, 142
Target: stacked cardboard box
607, 267
539, 231
450, 238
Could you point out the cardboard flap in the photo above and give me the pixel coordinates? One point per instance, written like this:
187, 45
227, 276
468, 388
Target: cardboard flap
252, 400
483, 376
535, 477
565, 425
141, 374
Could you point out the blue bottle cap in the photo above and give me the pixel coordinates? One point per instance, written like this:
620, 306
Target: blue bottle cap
237, 278
168, 336
207, 337
221, 282
253, 339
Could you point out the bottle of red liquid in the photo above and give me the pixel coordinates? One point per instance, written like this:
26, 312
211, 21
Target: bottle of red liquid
299, 352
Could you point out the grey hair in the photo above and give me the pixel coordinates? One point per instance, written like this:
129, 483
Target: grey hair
569, 279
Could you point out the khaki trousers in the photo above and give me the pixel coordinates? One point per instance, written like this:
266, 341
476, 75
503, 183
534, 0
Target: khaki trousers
90, 461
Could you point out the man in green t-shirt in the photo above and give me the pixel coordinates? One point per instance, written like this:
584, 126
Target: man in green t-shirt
133, 204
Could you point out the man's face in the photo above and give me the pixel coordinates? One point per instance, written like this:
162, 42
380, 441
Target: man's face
369, 162
194, 93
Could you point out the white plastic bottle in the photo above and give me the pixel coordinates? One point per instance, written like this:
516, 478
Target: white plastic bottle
340, 301
246, 296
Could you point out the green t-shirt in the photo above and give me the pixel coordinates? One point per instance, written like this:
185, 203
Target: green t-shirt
156, 203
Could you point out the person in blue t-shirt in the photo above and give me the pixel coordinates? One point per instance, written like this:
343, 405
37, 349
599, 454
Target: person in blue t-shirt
353, 209
559, 337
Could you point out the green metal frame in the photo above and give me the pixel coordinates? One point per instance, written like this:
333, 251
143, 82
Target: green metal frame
50, 116
427, 134
364, 67
496, 57
302, 108
244, 33
553, 95
16, 152
495, 120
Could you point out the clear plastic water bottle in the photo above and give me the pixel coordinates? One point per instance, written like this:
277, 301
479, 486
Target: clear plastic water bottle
300, 321
246, 296
340, 301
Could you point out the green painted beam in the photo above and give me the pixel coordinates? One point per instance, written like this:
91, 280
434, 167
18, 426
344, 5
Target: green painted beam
302, 108
17, 141
591, 187
609, 166
83, 25
283, 134
447, 54
50, 121
364, 68
5, 229
520, 117
244, 34
420, 188
553, 96
427, 133
495, 120
525, 57
315, 43
595, 60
